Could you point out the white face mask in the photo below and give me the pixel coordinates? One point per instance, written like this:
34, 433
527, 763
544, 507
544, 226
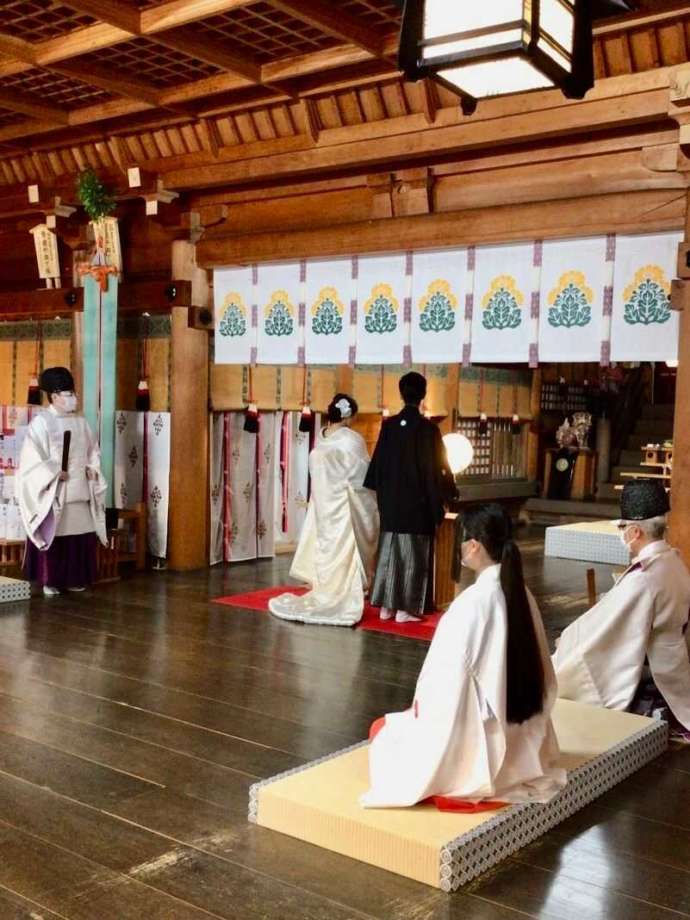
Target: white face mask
463, 559
621, 537
66, 402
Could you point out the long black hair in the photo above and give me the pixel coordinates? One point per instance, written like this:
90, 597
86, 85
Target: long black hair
491, 526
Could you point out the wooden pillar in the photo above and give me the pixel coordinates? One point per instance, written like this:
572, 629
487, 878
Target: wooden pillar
533, 431
189, 457
680, 481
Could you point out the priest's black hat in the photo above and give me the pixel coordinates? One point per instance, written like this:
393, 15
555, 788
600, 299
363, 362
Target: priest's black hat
56, 380
643, 499
412, 387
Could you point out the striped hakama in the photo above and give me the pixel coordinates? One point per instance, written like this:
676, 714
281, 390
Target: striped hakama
403, 578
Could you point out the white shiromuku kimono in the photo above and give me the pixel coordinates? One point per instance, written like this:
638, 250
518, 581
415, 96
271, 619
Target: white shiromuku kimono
338, 542
455, 740
49, 506
600, 657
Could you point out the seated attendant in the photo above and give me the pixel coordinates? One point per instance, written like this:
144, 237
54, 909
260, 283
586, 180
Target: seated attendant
630, 651
480, 724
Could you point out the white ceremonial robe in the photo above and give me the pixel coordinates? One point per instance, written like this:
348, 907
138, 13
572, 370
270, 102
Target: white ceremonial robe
599, 658
51, 507
338, 542
455, 740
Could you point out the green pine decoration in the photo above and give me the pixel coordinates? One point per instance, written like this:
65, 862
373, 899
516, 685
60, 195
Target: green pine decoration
502, 305
327, 319
279, 321
438, 308
570, 302
381, 311
647, 299
95, 198
233, 322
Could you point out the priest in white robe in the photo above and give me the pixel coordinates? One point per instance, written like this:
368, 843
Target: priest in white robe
631, 651
337, 546
479, 729
60, 491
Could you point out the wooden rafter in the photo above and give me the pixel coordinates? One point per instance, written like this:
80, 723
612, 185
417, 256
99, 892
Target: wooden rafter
210, 51
106, 79
333, 21
123, 14
180, 12
26, 104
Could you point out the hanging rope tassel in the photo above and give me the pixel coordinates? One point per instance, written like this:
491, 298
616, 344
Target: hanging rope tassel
34, 394
143, 400
306, 420
251, 415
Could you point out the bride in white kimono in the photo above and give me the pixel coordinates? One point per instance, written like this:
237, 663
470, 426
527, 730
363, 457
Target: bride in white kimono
336, 550
479, 729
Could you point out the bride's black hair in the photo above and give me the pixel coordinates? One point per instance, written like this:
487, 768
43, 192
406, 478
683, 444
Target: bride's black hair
491, 526
334, 414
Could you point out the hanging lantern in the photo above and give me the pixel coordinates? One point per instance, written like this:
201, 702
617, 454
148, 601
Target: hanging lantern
515, 426
483, 427
501, 47
251, 419
306, 420
459, 451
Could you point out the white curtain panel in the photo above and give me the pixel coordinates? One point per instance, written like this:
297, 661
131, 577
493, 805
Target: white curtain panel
573, 283
439, 288
235, 315
11, 527
216, 487
128, 467
643, 326
501, 318
158, 480
329, 294
241, 515
383, 292
281, 460
280, 301
266, 486
292, 483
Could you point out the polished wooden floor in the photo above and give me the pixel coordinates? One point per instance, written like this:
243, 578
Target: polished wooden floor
134, 719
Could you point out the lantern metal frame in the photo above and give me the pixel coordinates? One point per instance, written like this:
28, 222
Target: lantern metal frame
573, 84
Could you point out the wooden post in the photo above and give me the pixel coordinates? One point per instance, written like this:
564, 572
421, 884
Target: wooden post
533, 431
188, 518
680, 479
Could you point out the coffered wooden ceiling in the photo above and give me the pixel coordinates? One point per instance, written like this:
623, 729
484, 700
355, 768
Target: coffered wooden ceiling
153, 83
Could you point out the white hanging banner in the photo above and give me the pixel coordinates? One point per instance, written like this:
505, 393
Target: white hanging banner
235, 330
128, 470
643, 326
242, 448
438, 306
47, 258
330, 292
573, 282
382, 293
503, 281
280, 308
266, 485
158, 480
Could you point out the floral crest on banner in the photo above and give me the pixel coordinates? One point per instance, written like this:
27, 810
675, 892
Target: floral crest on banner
570, 302
233, 321
327, 313
381, 310
279, 315
437, 309
502, 304
647, 298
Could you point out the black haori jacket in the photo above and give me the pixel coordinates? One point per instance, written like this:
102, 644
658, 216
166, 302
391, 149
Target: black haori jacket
410, 474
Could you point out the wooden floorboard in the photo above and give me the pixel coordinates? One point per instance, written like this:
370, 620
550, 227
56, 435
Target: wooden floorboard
134, 718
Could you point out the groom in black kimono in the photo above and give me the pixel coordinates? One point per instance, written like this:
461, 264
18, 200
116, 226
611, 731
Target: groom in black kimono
412, 479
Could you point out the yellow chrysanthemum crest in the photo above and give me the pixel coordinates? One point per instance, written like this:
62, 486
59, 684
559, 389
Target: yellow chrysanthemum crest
279, 297
382, 292
503, 283
578, 280
653, 273
329, 294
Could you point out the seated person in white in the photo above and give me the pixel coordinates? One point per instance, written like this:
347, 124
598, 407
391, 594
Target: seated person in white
630, 651
479, 729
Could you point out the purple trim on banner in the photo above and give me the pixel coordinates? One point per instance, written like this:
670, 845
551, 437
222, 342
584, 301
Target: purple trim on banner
353, 312
537, 253
407, 356
471, 258
255, 316
301, 356
534, 355
255, 274
605, 358
407, 310
355, 267
252, 356
302, 271
608, 300
302, 314
352, 355
469, 305
535, 303
610, 247
408, 263
467, 354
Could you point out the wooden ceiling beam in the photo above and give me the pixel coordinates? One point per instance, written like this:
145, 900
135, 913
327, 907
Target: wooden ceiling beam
17, 49
326, 17
181, 12
27, 104
629, 23
187, 41
123, 14
105, 78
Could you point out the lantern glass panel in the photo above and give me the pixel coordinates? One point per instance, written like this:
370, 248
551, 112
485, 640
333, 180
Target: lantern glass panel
557, 31
497, 78
498, 22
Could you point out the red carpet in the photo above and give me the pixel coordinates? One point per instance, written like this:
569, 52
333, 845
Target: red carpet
258, 600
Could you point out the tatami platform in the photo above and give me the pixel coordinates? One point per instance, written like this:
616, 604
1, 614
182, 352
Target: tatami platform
590, 541
14, 589
319, 802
